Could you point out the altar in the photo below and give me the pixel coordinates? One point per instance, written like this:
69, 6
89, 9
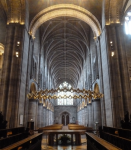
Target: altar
52, 133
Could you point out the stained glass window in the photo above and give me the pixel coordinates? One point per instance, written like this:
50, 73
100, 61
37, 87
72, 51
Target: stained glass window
65, 101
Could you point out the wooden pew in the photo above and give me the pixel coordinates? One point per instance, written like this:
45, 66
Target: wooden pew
88, 129
52, 127
120, 142
75, 125
125, 133
13, 131
96, 143
31, 143
56, 125
12, 139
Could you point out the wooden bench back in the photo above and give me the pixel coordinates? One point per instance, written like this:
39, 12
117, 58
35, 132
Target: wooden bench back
12, 139
75, 125
120, 142
5, 132
125, 133
96, 143
52, 127
89, 129
31, 143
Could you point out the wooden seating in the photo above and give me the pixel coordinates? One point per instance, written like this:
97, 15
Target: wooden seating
52, 127
79, 127
75, 125
31, 143
96, 143
125, 133
88, 129
121, 142
5, 132
12, 139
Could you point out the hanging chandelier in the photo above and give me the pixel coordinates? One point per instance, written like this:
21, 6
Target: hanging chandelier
51, 94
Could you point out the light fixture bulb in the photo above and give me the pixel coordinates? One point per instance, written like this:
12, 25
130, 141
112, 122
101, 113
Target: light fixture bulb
129, 13
112, 54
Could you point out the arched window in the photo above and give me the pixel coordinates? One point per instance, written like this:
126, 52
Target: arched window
128, 23
62, 100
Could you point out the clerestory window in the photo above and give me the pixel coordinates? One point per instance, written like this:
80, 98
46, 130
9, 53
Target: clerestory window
63, 100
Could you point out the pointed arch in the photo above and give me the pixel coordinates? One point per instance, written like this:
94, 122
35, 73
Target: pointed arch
69, 10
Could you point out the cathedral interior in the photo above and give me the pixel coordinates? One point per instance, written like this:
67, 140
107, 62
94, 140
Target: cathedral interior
79, 45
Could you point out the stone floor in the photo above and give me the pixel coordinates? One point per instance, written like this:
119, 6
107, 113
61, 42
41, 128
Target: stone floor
83, 146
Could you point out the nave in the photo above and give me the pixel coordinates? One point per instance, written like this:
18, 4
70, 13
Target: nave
65, 62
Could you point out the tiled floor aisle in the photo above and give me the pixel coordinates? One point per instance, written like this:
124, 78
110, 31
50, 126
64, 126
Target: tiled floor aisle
81, 147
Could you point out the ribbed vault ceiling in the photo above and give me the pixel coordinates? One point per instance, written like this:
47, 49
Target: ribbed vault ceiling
65, 42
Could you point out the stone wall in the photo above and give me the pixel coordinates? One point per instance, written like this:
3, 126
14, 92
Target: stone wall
58, 110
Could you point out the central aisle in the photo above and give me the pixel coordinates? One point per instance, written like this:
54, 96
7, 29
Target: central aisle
81, 147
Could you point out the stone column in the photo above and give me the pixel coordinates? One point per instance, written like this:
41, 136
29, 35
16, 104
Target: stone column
1, 60
78, 116
90, 124
47, 117
81, 117
85, 115
44, 116
50, 117
53, 117
33, 111
40, 113
97, 111
13, 82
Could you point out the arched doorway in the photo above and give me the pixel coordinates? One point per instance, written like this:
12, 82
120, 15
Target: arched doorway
65, 118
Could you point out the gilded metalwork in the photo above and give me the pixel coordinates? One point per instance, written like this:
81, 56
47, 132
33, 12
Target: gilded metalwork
51, 94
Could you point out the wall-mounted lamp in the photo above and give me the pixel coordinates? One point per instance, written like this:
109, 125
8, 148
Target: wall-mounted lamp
18, 43
111, 45
17, 54
112, 54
